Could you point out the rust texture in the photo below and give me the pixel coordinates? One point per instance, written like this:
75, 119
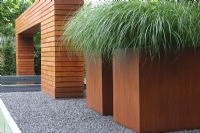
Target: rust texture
157, 95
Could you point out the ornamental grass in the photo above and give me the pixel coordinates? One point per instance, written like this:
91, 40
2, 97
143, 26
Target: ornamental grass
152, 26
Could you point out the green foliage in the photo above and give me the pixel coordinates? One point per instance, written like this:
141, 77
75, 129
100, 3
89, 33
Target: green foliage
152, 26
8, 57
1, 61
8, 65
37, 53
9, 11
1, 69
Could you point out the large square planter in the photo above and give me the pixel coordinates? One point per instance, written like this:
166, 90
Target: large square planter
99, 82
157, 94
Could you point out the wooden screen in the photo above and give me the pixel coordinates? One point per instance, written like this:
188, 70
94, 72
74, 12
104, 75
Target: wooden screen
61, 68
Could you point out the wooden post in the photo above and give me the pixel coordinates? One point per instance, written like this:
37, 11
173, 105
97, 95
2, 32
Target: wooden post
62, 69
24, 54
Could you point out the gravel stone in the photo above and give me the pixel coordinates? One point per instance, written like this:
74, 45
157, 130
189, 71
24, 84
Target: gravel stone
35, 112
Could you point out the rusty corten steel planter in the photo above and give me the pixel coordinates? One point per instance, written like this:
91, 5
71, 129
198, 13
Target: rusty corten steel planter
99, 85
159, 94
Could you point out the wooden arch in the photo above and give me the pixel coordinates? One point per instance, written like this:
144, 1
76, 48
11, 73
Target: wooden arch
61, 71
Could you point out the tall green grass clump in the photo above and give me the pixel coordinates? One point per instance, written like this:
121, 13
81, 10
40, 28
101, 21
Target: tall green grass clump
152, 26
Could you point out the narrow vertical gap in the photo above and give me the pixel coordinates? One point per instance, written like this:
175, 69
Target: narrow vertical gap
37, 53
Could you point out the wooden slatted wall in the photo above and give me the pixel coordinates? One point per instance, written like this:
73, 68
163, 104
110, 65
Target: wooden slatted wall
24, 55
62, 69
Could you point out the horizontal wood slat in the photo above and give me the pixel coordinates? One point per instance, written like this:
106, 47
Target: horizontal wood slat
61, 67
24, 55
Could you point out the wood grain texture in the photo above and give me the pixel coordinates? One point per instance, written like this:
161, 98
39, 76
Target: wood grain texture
168, 93
61, 68
24, 55
99, 85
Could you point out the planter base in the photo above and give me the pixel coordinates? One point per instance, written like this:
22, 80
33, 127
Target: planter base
99, 90
157, 95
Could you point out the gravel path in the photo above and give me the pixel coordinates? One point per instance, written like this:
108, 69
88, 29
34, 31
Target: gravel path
35, 112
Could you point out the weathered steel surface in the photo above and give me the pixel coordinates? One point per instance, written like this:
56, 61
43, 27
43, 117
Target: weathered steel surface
99, 85
159, 94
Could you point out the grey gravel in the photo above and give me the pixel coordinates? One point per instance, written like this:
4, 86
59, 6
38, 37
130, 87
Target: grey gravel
35, 112
19, 88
